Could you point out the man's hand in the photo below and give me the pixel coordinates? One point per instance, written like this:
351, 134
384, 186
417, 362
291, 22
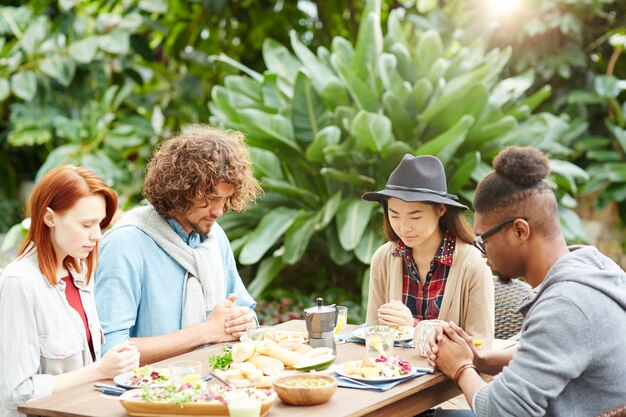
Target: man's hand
448, 351
395, 313
227, 322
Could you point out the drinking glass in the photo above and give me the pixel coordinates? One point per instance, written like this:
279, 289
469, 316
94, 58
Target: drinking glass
342, 320
423, 332
241, 405
258, 333
379, 342
185, 371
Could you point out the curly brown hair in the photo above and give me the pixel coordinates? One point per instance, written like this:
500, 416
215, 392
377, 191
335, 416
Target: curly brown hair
186, 168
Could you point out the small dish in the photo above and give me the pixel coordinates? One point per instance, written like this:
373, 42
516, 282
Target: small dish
305, 389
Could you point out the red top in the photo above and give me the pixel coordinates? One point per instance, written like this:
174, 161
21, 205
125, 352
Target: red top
72, 293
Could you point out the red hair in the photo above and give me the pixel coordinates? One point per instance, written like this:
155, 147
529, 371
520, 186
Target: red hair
60, 189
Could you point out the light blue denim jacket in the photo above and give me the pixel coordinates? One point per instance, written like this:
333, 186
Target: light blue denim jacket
139, 287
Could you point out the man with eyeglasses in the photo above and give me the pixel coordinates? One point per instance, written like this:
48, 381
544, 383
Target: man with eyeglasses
570, 358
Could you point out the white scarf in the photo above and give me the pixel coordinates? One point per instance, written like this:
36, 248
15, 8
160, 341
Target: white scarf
204, 281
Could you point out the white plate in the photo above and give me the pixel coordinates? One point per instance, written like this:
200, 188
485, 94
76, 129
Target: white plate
123, 381
361, 332
340, 371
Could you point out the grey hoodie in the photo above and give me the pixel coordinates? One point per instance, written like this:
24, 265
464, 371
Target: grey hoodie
571, 359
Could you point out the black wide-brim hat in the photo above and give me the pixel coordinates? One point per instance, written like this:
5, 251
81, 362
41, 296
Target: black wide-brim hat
417, 179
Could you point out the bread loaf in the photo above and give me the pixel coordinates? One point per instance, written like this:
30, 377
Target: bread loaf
286, 356
269, 366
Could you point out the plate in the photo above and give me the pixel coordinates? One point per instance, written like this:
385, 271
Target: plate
340, 371
123, 380
282, 336
403, 334
136, 406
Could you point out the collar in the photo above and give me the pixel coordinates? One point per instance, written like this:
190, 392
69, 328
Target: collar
192, 240
444, 255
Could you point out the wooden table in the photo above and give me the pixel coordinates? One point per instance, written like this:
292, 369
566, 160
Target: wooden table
406, 399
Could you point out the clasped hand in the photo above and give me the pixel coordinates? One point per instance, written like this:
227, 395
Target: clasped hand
230, 321
450, 348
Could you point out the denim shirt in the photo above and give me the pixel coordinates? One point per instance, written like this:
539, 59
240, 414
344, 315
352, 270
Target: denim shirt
139, 286
41, 335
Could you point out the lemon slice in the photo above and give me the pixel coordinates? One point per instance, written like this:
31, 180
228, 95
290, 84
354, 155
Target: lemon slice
191, 378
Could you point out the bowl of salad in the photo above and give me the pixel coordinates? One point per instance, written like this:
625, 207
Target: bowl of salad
201, 398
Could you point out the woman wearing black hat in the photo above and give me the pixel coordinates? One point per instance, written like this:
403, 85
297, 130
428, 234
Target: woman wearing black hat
428, 269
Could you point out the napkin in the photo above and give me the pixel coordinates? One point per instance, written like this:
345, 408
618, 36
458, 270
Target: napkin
345, 382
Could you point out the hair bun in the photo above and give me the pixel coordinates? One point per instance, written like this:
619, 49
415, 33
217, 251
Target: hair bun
524, 166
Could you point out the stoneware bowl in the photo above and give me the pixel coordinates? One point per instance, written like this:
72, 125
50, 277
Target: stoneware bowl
305, 389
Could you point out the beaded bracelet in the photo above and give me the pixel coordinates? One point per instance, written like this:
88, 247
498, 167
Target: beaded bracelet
459, 371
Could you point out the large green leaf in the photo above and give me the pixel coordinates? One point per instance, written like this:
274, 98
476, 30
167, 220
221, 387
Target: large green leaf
445, 145
309, 114
330, 135
328, 211
273, 126
618, 133
369, 42
371, 130
60, 68
347, 177
391, 79
229, 61
286, 188
463, 173
360, 91
268, 270
24, 85
279, 60
428, 50
84, 50
5, 89
272, 226
353, 216
511, 89
401, 122
298, 237
337, 253
65, 154
370, 241
244, 85
265, 163
116, 42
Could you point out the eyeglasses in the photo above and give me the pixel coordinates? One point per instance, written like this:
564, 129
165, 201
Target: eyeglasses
479, 242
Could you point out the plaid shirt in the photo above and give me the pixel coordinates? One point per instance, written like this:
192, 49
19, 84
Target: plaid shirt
425, 301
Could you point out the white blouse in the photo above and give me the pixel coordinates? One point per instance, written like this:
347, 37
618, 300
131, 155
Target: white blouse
41, 335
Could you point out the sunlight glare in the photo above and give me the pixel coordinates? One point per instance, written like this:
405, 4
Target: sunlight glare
503, 7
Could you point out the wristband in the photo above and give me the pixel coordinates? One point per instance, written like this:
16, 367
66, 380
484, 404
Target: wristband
459, 371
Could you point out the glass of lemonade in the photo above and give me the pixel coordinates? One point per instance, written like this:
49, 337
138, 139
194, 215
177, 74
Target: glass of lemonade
185, 371
342, 320
240, 405
379, 341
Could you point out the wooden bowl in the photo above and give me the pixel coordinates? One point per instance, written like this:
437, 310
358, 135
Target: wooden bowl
305, 389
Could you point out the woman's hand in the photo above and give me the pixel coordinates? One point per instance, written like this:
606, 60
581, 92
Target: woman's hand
395, 313
120, 358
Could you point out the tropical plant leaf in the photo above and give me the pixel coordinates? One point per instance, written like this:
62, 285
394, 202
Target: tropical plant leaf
372, 131
330, 135
298, 237
269, 268
352, 218
445, 145
309, 114
272, 226
370, 241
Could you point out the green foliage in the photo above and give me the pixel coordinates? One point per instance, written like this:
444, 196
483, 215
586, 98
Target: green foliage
325, 127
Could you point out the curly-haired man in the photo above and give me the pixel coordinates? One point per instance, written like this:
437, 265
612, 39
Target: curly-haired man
570, 358
167, 277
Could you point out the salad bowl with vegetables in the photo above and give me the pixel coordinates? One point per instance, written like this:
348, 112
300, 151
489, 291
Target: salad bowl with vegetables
200, 398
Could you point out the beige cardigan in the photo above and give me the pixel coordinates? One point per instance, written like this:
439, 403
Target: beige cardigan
468, 298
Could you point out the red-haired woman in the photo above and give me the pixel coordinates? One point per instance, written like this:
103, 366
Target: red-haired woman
50, 335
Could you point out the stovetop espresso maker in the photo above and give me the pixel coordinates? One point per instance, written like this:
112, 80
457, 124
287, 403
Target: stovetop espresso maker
320, 323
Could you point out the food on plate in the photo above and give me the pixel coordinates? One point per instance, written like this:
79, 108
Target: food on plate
200, 393
290, 336
268, 365
221, 360
316, 360
304, 382
243, 351
380, 368
404, 332
316, 363
271, 348
297, 347
147, 376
